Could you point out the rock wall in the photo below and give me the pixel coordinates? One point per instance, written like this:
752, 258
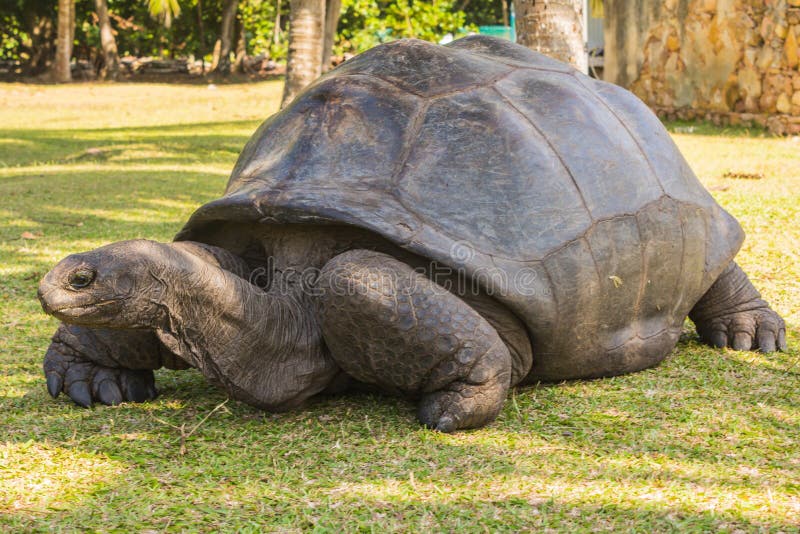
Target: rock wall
728, 61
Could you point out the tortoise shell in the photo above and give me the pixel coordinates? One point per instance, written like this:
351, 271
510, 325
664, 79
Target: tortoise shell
564, 195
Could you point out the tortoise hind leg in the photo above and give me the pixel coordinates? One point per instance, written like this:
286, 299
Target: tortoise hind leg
392, 327
732, 314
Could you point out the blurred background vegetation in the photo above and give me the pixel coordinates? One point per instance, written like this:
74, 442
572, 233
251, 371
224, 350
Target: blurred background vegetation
191, 29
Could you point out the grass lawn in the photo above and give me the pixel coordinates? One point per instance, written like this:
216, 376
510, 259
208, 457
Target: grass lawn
708, 441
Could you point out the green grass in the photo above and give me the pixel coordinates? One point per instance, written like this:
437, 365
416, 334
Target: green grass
707, 441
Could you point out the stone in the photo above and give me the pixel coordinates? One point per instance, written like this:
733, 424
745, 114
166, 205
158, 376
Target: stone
750, 55
709, 5
767, 28
767, 102
783, 105
790, 49
776, 126
750, 82
751, 103
723, 57
672, 43
765, 57
731, 94
673, 65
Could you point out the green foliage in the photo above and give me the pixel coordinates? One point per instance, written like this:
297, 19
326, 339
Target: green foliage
164, 7
171, 28
17, 21
164, 10
483, 12
12, 36
420, 19
366, 23
258, 20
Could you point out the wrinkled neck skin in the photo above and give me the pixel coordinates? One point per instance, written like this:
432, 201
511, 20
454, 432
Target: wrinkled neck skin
264, 347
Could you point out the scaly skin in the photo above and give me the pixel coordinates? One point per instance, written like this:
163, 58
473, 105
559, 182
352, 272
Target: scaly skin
388, 325
732, 314
108, 366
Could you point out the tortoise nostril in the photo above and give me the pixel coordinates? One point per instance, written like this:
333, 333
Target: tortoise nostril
81, 278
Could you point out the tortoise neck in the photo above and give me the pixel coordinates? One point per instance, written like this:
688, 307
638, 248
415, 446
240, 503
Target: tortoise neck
263, 347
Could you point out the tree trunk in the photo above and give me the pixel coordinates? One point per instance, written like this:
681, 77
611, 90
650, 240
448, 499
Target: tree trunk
333, 9
66, 29
276, 29
110, 68
306, 35
222, 59
201, 37
241, 48
40, 43
554, 28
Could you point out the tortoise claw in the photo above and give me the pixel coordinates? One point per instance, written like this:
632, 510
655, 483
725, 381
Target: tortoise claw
138, 386
80, 394
54, 384
108, 393
85, 382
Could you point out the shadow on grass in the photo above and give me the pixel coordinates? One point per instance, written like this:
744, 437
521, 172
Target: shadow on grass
175, 143
357, 461
155, 78
75, 204
709, 129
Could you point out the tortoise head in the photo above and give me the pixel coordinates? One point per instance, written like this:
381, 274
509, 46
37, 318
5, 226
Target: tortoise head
119, 285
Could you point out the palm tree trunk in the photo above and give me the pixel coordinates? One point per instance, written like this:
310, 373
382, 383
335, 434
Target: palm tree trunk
333, 9
110, 57
306, 36
66, 29
276, 29
222, 59
554, 28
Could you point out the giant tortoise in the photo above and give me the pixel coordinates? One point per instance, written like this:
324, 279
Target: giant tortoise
437, 222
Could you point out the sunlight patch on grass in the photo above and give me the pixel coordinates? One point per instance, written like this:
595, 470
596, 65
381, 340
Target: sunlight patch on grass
101, 105
42, 478
56, 169
673, 489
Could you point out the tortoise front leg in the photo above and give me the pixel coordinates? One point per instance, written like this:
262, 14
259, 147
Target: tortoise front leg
390, 326
732, 314
108, 366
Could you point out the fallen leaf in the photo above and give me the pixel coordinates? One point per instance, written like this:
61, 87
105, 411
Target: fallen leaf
28, 235
739, 175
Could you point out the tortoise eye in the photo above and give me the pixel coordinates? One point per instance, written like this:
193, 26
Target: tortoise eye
81, 278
